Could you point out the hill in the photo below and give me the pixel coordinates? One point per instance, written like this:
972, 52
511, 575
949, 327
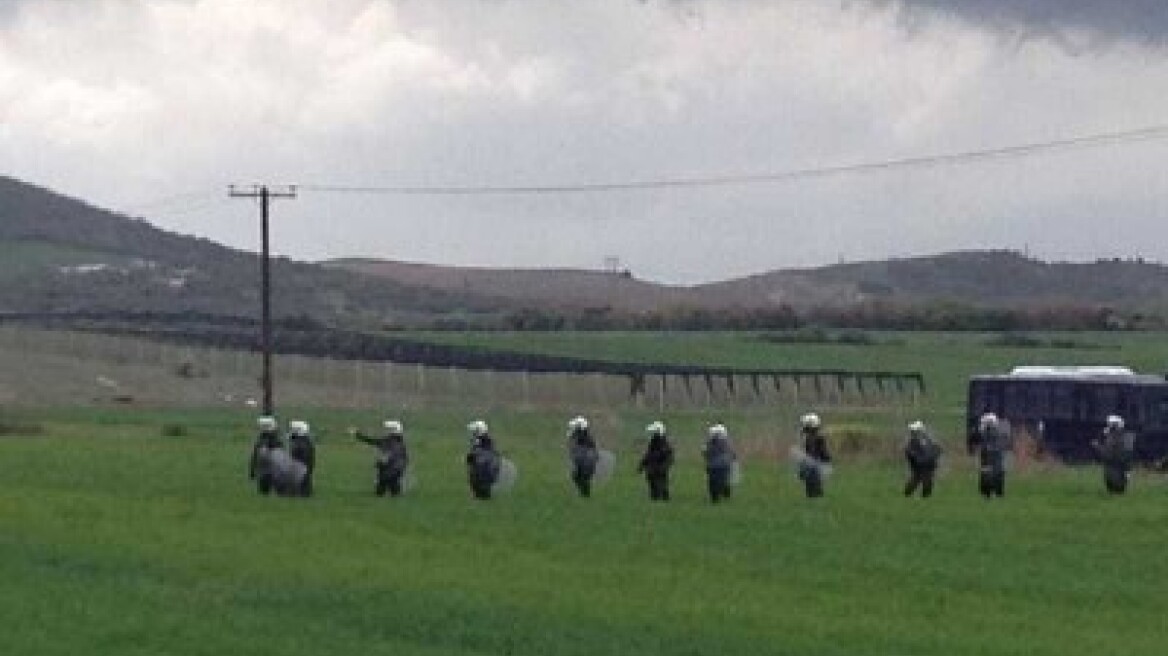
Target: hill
557, 288
61, 255
983, 278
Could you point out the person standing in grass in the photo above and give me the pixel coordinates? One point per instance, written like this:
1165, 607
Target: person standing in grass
815, 455
260, 468
922, 453
720, 457
991, 442
657, 462
482, 460
303, 450
392, 457
1116, 448
583, 453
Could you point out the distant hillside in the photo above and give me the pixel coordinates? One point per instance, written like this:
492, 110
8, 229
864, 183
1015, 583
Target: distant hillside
60, 255
984, 278
545, 287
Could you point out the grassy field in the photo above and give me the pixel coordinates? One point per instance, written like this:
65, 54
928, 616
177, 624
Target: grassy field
117, 540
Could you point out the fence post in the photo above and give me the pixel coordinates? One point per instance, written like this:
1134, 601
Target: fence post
387, 379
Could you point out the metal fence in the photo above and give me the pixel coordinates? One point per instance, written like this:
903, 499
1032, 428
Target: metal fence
82, 367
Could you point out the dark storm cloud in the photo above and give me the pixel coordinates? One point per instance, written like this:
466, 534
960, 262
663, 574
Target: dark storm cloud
1074, 22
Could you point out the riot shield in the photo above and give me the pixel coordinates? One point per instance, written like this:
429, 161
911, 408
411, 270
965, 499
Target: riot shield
507, 477
801, 461
287, 472
735, 478
409, 480
605, 466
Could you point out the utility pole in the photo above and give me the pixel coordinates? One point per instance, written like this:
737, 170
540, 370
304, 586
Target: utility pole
264, 194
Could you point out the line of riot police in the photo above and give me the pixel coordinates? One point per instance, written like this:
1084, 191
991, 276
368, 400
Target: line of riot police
286, 466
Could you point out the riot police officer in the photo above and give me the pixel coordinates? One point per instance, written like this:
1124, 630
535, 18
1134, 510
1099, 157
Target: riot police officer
583, 454
482, 460
922, 453
720, 457
268, 439
302, 448
813, 443
657, 461
991, 442
392, 457
1116, 448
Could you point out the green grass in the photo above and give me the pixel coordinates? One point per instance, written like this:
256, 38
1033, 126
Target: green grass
117, 540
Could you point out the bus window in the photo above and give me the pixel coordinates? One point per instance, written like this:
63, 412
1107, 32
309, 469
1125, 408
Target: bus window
1059, 406
1021, 400
1107, 401
1158, 413
1083, 400
984, 397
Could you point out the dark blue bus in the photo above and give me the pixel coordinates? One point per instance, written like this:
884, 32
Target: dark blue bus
1065, 407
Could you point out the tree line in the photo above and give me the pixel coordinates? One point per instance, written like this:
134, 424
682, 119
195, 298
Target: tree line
875, 315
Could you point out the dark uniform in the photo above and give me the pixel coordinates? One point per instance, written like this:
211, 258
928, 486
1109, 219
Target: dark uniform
655, 464
719, 457
303, 450
815, 446
990, 442
922, 453
482, 466
260, 469
1116, 450
584, 454
392, 460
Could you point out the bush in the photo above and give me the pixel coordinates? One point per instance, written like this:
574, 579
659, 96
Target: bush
174, 430
819, 335
851, 440
10, 427
1028, 341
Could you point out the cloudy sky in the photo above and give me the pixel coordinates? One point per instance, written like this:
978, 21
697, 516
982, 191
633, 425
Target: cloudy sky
153, 107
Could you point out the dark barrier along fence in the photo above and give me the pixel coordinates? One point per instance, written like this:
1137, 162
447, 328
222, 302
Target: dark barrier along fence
355, 369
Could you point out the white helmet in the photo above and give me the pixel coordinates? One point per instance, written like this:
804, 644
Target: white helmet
988, 420
718, 431
916, 427
298, 428
392, 426
810, 421
477, 428
578, 423
267, 423
1115, 422
655, 428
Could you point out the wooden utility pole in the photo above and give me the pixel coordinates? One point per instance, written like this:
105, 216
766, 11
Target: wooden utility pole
264, 194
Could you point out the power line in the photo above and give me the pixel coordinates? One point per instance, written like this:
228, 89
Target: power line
180, 199
1151, 133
